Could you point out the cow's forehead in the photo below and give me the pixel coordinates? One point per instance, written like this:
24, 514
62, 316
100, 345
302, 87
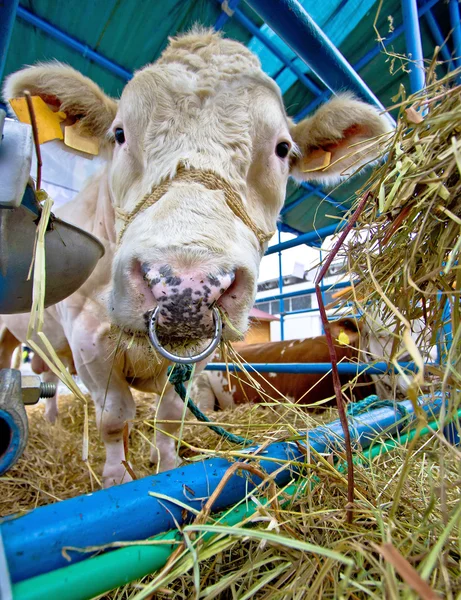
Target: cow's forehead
160, 84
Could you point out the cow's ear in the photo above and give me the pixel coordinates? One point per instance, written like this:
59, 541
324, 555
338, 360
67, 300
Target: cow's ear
67, 90
346, 331
338, 139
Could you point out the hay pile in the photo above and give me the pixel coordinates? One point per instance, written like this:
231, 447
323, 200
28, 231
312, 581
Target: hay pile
51, 469
405, 249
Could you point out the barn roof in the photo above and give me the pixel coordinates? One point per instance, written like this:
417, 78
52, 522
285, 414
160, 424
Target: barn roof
109, 39
260, 315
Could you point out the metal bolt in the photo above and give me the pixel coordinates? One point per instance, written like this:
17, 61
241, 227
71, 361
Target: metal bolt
33, 389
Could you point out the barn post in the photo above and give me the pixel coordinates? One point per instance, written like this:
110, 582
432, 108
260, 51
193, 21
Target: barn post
413, 44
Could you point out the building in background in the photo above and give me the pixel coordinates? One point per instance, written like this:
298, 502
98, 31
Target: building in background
299, 269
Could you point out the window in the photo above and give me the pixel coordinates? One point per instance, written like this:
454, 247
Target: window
273, 284
301, 302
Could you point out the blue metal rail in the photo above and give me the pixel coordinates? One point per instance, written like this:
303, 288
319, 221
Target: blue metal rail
295, 27
51, 30
306, 292
257, 33
438, 39
307, 238
368, 57
378, 368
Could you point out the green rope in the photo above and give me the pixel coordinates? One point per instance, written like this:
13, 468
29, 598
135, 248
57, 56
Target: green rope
177, 376
371, 403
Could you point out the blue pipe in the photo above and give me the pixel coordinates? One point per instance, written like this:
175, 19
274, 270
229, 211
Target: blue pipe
257, 33
295, 27
456, 25
378, 368
438, 39
306, 238
414, 46
29, 17
305, 292
8, 10
281, 303
34, 543
10, 455
368, 57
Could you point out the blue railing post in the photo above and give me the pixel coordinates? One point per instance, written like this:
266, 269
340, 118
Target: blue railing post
413, 44
281, 301
8, 10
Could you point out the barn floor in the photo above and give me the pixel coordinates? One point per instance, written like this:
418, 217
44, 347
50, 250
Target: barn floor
51, 469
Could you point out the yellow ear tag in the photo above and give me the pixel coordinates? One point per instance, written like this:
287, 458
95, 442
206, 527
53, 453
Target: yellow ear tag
48, 122
320, 159
77, 141
343, 339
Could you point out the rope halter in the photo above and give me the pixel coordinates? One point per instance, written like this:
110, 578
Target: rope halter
211, 181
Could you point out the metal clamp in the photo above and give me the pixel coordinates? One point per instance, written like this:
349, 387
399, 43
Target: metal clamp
185, 360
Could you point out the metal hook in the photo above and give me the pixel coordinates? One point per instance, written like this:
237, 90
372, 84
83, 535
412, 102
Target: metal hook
185, 360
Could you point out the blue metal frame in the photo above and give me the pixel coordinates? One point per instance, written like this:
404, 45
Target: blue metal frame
8, 10
414, 46
51, 30
438, 39
368, 57
297, 29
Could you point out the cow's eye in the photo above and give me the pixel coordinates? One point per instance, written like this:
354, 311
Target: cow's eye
282, 149
119, 136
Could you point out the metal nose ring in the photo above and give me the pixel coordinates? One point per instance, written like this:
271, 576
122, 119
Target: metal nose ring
185, 360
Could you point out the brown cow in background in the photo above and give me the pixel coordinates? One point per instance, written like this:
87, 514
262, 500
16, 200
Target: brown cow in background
216, 388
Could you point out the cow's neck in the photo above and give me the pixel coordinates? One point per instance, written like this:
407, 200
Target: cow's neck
92, 209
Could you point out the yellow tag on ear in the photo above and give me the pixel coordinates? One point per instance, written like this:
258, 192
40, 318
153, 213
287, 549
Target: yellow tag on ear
343, 339
77, 141
48, 122
318, 160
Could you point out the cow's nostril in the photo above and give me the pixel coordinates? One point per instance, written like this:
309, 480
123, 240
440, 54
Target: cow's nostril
186, 297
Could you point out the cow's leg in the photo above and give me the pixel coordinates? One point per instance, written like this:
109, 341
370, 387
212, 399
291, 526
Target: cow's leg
8, 344
203, 393
113, 411
103, 377
163, 450
40, 367
51, 408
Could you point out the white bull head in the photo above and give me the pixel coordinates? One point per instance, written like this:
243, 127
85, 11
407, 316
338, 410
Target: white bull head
205, 106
